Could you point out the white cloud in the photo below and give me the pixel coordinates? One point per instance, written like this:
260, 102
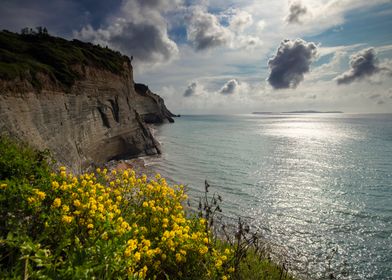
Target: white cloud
240, 21
296, 12
204, 30
194, 89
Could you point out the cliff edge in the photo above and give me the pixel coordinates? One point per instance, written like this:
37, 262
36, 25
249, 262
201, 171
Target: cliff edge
75, 99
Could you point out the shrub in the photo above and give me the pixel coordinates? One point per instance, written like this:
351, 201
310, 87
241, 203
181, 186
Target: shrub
19, 162
102, 225
113, 225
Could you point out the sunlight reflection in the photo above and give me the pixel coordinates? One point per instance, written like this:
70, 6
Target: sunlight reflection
307, 130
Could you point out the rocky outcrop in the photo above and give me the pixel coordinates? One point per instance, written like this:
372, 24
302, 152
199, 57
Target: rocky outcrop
99, 118
151, 106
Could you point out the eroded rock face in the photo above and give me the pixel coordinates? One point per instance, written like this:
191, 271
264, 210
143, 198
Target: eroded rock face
98, 119
151, 106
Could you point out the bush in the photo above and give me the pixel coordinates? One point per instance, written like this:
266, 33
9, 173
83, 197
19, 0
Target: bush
19, 162
107, 226
113, 225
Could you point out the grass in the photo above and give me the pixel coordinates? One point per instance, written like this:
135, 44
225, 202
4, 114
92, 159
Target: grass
252, 267
109, 225
24, 56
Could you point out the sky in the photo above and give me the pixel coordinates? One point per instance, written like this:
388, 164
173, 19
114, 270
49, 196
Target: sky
225, 56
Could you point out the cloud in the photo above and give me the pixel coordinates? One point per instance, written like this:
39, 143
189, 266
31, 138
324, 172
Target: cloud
240, 20
363, 64
260, 25
375, 96
296, 11
230, 87
138, 30
204, 31
191, 90
55, 15
146, 42
194, 89
291, 61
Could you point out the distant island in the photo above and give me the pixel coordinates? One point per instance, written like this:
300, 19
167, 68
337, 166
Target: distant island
299, 112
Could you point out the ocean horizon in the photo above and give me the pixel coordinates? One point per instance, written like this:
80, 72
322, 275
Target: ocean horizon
318, 185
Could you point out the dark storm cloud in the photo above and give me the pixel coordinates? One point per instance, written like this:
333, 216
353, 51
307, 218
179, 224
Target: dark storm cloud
60, 17
229, 88
296, 11
362, 64
204, 30
134, 27
144, 41
191, 90
138, 29
291, 61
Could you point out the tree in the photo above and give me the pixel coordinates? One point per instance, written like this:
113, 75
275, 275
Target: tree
25, 31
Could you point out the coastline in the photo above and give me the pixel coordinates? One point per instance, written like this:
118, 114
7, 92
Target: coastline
136, 164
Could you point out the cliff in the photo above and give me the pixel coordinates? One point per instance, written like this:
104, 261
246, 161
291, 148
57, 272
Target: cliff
151, 106
84, 110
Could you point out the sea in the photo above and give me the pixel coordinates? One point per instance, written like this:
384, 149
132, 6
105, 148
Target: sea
318, 186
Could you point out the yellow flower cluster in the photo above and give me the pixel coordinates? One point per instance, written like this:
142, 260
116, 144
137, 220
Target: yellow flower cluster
145, 218
37, 197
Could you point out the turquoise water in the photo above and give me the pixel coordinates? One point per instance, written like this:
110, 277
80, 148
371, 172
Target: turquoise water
318, 182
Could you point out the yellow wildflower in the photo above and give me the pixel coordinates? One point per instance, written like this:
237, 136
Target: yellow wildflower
41, 195
56, 202
203, 250
67, 219
76, 203
55, 185
137, 256
124, 225
178, 257
127, 252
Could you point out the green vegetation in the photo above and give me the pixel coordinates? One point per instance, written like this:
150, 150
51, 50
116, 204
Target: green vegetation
27, 54
110, 225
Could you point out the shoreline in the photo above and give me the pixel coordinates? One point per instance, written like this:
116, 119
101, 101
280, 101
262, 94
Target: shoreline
136, 164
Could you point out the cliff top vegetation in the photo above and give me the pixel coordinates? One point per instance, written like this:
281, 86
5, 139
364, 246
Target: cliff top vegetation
31, 52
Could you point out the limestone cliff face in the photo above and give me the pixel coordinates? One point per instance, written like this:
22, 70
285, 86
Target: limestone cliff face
101, 117
151, 106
